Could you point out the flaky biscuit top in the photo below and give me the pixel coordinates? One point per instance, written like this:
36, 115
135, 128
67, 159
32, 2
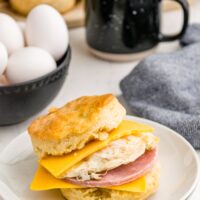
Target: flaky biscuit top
75, 118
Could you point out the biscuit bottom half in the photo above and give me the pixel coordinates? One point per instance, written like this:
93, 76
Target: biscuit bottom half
152, 179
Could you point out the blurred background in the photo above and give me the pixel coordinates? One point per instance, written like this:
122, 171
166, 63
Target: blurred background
88, 74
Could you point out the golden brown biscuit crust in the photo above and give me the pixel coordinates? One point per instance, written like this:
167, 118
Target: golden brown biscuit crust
75, 118
80, 120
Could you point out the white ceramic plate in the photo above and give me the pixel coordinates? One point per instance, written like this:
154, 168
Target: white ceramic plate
179, 177
179, 162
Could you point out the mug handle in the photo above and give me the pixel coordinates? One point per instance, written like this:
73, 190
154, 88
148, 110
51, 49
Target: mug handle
185, 7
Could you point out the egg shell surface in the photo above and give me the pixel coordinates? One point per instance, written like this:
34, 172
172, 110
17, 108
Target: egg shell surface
3, 58
29, 63
46, 28
10, 33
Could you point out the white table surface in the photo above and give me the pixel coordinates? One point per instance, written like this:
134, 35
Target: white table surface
89, 75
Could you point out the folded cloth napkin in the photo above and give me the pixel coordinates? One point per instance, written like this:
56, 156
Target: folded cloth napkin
192, 35
166, 88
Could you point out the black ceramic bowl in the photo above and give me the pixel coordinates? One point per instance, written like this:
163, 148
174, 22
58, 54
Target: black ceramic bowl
21, 101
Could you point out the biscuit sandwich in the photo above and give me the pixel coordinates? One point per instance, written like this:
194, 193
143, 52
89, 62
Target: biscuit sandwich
89, 151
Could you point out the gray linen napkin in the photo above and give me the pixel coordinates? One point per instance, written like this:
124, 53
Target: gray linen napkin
166, 88
192, 35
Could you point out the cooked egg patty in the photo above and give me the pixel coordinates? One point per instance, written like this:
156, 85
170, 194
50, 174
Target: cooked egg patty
119, 152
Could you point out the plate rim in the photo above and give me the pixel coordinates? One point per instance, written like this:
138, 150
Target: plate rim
182, 139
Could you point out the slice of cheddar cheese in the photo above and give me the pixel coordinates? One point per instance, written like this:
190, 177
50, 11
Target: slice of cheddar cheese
43, 180
58, 165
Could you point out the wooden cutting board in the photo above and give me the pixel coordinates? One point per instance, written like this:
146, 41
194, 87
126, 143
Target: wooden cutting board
169, 5
75, 17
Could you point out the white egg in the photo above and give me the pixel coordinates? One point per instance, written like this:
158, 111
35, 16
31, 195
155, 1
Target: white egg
46, 28
3, 58
10, 33
29, 63
22, 26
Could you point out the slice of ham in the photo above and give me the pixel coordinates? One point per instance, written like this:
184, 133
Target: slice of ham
123, 174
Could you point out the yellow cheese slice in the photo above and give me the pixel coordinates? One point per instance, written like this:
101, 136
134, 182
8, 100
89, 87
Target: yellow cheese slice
43, 180
57, 165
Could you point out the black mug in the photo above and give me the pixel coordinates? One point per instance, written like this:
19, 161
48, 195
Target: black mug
122, 29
